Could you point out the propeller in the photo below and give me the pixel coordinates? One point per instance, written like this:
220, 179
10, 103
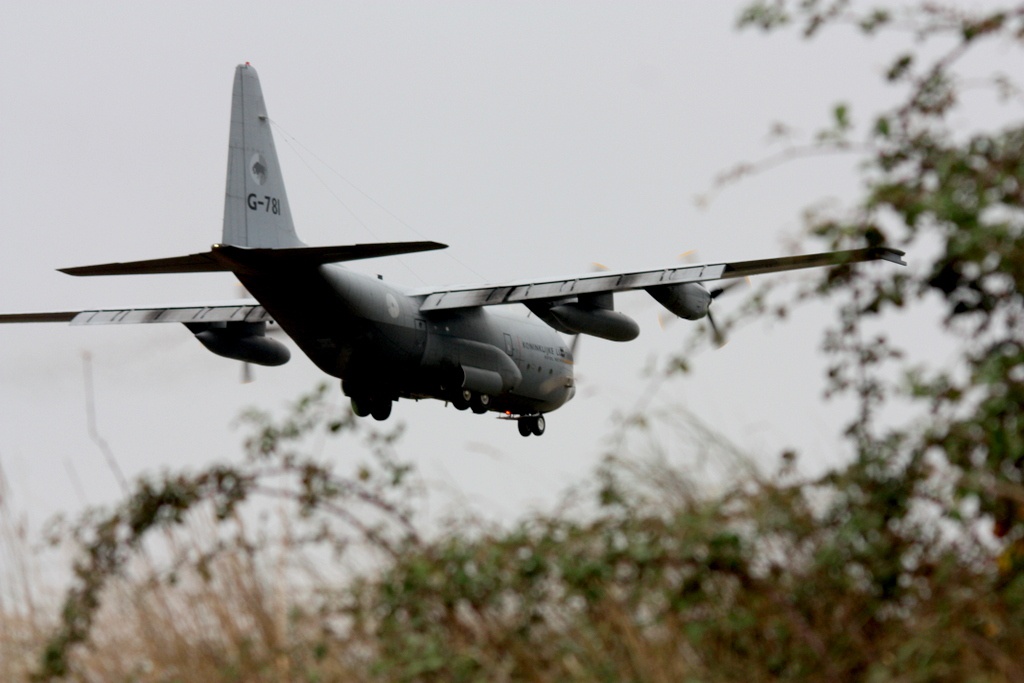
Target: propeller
665, 318
732, 284
716, 334
573, 345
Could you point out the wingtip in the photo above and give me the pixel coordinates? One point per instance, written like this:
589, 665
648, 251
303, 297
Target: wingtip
891, 255
70, 271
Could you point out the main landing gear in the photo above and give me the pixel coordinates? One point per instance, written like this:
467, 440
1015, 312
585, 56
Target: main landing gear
478, 403
379, 408
531, 424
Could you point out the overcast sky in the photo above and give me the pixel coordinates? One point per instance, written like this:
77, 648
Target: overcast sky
533, 137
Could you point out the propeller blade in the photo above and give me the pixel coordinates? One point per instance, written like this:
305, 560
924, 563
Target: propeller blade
665, 318
718, 291
687, 255
716, 334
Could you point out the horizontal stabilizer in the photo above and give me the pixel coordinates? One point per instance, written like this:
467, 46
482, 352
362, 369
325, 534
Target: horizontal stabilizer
193, 263
228, 258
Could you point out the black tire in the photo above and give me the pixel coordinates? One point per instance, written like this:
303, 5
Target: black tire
525, 426
538, 425
460, 402
479, 403
361, 406
381, 409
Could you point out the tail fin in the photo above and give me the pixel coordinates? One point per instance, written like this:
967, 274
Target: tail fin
256, 210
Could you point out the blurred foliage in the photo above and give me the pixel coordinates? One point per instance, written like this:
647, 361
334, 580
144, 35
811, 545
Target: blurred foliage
904, 564
947, 185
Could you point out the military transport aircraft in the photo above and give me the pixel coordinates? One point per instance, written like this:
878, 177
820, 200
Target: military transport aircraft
384, 342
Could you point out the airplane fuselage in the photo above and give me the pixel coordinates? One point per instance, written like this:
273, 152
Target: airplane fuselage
374, 337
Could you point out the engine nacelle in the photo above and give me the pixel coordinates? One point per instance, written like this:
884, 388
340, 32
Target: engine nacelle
688, 300
596, 321
245, 342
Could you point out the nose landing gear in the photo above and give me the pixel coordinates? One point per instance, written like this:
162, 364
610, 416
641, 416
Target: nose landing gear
531, 424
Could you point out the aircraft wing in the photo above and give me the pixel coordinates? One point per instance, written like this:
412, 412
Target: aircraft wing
596, 283
239, 310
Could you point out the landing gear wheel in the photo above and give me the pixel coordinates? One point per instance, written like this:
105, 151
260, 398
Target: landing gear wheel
460, 402
479, 403
539, 423
381, 409
361, 406
531, 424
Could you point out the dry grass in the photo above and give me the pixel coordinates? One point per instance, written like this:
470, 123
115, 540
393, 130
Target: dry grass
208, 610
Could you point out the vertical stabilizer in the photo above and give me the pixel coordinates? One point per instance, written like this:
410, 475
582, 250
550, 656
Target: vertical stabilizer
256, 210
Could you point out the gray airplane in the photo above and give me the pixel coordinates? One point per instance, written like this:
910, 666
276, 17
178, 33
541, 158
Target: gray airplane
385, 342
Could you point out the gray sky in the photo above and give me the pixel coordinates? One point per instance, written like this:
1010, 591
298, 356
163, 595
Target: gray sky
534, 138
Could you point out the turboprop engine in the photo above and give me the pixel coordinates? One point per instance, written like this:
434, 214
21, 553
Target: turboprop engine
688, 300
241, 341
